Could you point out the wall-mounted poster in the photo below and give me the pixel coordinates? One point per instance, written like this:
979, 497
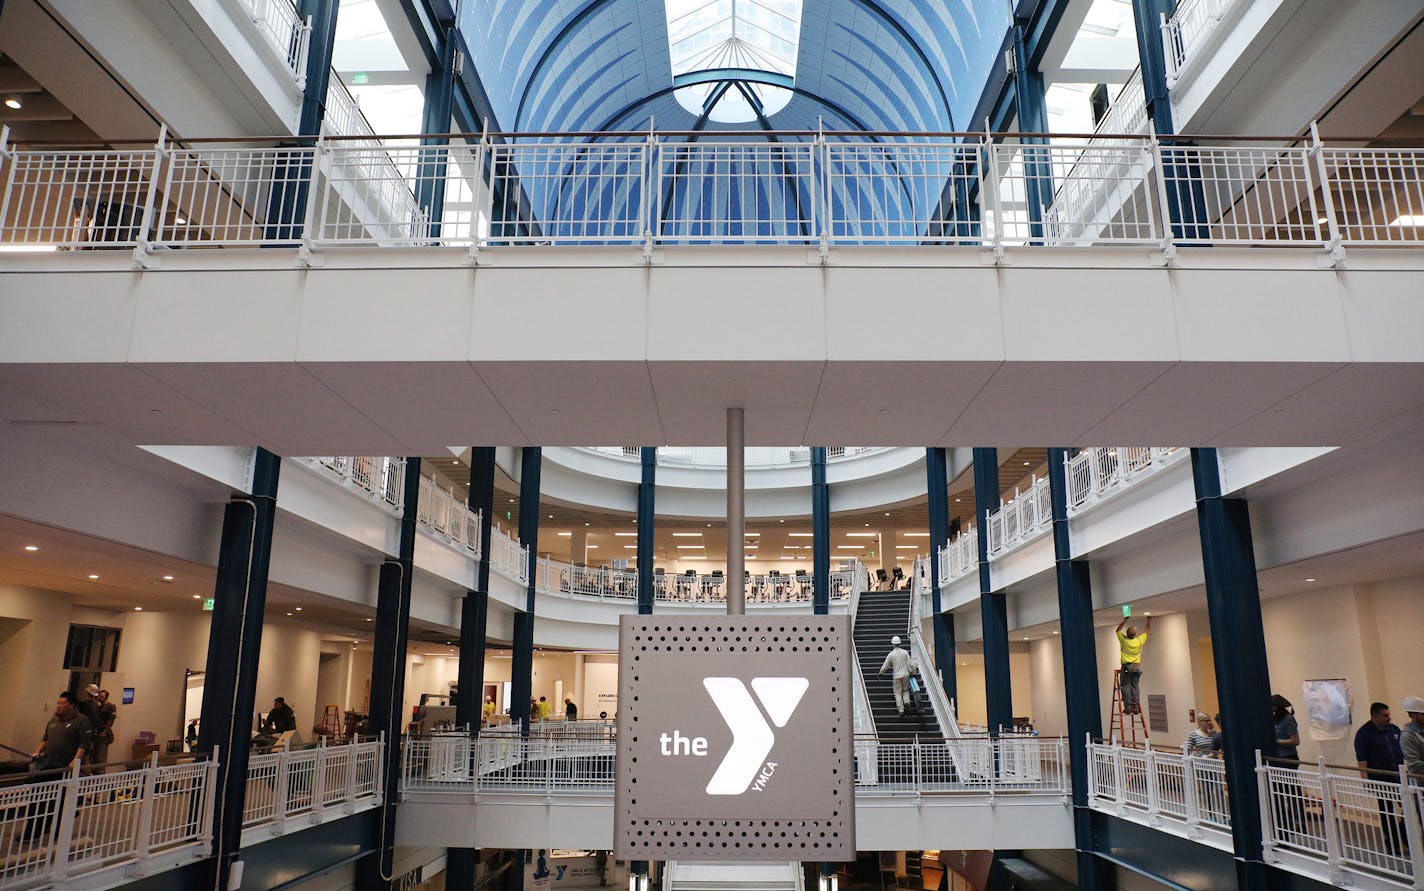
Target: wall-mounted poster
1327, 708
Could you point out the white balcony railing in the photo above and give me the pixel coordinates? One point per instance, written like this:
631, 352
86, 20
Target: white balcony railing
960, 557
445, 515
60, 826
583, 763
680, 456
286, 33
1188, 30
605, 583
1094, 474
382, 479
312, 784
1338, 825
620, 189
1020, 519
507, 557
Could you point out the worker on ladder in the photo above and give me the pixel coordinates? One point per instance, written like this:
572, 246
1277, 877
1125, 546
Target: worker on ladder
1130, 645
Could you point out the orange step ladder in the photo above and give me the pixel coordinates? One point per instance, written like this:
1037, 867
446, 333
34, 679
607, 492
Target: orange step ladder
1116, 728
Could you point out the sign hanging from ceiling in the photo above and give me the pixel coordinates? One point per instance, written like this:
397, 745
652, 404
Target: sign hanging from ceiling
735, 739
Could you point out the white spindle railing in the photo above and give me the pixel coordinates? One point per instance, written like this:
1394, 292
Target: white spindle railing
960, 557
1342, 825
756, 456
445, 515
285, 31
383, 479
1156, 785
1094, 474
607, 583
63, 826
1187, 30
591, 191
311, 783
583, 763
929, 677
1019, 519
507, 557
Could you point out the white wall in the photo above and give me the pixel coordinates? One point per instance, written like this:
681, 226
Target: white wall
32, 641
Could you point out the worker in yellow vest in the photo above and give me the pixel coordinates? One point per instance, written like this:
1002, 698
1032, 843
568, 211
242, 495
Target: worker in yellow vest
1130, 644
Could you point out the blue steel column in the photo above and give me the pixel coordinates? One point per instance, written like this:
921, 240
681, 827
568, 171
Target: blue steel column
439, 100
1080, 668
1238, 643
460, 863
647, 525
998, 696
474, 611
388, 679
1032, 108
234, 643
1186, 201
291, 176
820, 534
937, 487
522, 668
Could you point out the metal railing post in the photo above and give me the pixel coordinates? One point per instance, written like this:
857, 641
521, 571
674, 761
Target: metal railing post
350, 794
1315, 150
318, 786
1164, 203
1119, 776
1268, 820
69, 811
1410, 800
143, 833
652, 190
6, 154
380, 759
142, 246
1334, 856
822, 152
1154, 802
989, 185
1190, 803
281, 790
210, 797
315, 222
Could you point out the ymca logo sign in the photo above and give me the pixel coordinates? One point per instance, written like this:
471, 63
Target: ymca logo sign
752, 736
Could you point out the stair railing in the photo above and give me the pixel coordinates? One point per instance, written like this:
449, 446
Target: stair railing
867, 742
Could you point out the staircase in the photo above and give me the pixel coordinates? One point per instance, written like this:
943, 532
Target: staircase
879, 616
691, 875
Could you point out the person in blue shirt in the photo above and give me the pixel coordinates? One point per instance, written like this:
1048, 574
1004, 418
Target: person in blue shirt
1379, 756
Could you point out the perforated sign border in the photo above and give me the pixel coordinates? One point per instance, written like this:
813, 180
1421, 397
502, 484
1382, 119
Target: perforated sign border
826, 837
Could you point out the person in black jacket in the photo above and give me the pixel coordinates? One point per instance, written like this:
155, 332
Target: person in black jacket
280, 719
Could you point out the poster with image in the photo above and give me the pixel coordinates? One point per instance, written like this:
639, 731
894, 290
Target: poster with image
1327, 708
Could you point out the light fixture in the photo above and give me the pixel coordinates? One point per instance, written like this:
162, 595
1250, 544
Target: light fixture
626, 534
850, 547
867, 525
1055, 632
32, 547
709, 525
298, 608
368, 620
750, 534
689, 547
630, 547
887, 513
93, 577
565, 534
1025, 464
905, 547
511, 501
860, 535
915, 534
592, 547
182, 221
138, 609
687, 535
956, 501
1321, 221
168, 578
799, 534
588, 524
1308, 580
1408, 219
197, 597
13, 102
551, 516
289, 614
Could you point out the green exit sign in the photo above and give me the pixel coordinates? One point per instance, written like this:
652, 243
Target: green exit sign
1127, 610
360, 77
208, 604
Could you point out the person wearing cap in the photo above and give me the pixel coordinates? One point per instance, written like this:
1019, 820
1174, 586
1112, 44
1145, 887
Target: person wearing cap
104, 728
897, 662
1411, 738
88, 706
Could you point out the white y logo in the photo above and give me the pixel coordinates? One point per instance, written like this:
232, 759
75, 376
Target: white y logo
752, 739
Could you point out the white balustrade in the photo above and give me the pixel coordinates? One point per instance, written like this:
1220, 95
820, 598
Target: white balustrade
285, 31
312, 784
807, 188
383, 479
445, 515
1094, 474
607, 583
756, 456
1020, 519
960, 557
582, 762
1160, 786
1187, 30
507, 557
63, 826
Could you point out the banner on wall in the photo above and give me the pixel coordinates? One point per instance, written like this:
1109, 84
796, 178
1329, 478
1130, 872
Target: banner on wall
1328, 708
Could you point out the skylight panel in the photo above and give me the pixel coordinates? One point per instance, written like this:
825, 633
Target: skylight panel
749, 35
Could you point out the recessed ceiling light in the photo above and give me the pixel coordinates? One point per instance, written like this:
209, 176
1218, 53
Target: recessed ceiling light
630, 547
92, 576
168, 578
197, 597
588, 524
592, 547
551, 516
182, 221
565, 534
289, 614
1055, 632
781, 521
799, 534
867, 524
368, 620
687, 535
32, 547
511, 501
138, 609
298, 609
956, 501
860, 535
689, 547
1308, 580
13, 102
626, 534
887, 513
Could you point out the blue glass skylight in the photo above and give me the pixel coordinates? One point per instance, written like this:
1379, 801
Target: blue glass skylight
736, 56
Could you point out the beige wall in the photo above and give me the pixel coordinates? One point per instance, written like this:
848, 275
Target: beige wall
969, 678
32, 644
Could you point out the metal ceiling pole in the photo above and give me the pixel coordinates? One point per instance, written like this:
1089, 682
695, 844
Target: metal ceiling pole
736, 511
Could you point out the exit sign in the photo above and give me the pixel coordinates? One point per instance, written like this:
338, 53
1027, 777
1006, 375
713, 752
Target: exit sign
360, 77
208, 604
1126, 610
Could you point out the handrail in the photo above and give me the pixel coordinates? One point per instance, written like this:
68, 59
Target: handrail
929, 678
1108, 191
959, 557
80, 824
381, 478
327, 778
1021, 518
1094, 474
621, 584
759, 456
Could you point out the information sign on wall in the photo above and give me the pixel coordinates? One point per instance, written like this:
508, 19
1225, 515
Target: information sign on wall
735, 739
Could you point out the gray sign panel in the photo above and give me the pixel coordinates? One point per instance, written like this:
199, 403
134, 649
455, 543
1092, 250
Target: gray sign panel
735, 738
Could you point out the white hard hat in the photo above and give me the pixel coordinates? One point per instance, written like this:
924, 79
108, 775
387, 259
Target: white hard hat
1413, 704
895, 641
